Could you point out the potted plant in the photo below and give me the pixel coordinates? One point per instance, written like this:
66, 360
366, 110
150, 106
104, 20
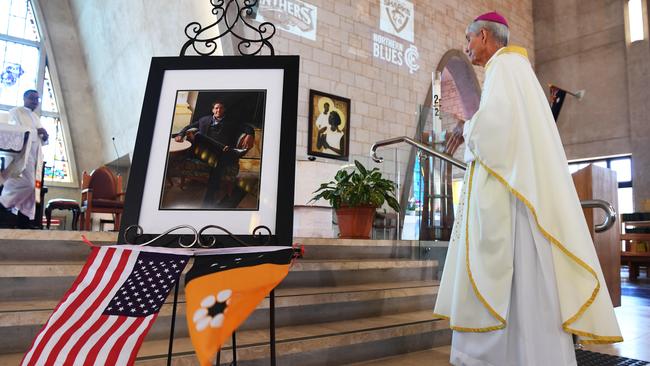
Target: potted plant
355, 196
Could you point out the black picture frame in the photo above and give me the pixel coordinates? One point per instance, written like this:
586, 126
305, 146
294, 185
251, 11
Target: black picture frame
278, 76
318, 140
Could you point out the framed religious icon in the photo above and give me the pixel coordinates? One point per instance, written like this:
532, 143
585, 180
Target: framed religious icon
329, 126
216, 146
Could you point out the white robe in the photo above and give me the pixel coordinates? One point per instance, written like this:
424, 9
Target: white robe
21, 193
322, 121
530, 341
333, 139
515, 154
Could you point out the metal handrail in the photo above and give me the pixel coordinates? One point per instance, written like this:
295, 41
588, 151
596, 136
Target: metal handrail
419, 145
610, 211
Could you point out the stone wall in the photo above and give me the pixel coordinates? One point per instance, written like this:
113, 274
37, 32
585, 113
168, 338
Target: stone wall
119, 37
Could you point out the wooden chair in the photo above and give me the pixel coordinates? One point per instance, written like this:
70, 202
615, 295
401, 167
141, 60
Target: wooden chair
101, 192
635, 235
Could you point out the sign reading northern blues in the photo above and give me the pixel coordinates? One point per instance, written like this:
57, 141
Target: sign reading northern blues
397, 18
388, 49
294, 16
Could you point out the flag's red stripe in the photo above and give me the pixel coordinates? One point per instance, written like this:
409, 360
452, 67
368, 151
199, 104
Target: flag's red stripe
73, 288
92, 354
138, 343
119, 270
74, 351
73, 307
82, 275
114, 353
93, 308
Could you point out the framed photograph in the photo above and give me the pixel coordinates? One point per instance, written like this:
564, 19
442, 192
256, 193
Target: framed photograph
216, 146
329, 126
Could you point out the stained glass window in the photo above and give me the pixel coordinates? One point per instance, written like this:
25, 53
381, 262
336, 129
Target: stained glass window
19, 20
48, 100
19, 71
24, 67
57, 166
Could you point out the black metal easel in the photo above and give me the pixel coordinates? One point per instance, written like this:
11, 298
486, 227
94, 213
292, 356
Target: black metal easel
234, 20
210, 241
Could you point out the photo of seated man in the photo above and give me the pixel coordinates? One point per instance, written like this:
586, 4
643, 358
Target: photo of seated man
214, 159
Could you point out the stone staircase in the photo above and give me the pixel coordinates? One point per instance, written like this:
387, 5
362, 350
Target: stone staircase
347, 301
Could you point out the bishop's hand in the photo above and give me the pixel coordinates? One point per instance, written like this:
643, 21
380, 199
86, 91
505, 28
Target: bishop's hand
455, 138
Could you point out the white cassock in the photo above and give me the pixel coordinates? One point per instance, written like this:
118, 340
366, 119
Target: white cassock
20, 193
322, 121
521, 272
333, 139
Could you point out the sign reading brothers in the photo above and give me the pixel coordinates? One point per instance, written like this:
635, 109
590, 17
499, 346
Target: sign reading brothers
294, 16
397, 18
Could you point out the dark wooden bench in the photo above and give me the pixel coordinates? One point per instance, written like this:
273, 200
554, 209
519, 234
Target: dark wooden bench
631, 256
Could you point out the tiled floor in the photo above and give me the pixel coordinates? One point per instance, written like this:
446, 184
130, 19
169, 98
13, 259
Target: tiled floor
633, 317
433, 357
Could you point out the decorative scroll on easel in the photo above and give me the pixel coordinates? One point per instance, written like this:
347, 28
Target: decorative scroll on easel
233, 18
133, 235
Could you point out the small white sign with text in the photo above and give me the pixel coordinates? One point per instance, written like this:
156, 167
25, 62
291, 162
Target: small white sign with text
395, 52
293, 16
397, 18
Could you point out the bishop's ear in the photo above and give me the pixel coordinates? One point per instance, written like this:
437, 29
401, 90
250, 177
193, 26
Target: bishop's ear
483, 33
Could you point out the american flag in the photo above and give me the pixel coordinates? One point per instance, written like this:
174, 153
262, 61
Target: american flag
105, 315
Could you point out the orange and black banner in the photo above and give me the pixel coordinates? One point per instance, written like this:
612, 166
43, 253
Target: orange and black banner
557, 100
223, 289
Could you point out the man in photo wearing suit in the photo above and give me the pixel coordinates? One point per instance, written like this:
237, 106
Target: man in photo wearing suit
232, 137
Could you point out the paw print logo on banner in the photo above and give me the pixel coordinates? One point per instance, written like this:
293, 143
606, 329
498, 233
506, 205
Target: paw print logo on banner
213, 311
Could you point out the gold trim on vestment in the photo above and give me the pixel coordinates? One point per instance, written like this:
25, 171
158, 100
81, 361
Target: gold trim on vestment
508, 49
464, 329
565, 325
469, 270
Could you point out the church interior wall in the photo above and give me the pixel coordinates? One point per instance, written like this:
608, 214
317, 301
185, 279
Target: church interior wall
67, 59
118, 38
582, 45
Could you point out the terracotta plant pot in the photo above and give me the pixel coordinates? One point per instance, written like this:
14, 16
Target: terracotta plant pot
355, 222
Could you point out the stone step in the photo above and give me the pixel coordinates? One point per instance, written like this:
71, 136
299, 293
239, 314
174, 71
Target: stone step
20, 321
67, 269
434, 356
49, 281
313, 344
321, 343
327, 248
53, 246
346, 301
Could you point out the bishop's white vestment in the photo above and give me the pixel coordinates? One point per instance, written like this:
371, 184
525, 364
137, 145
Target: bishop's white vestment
521, 272
21, 193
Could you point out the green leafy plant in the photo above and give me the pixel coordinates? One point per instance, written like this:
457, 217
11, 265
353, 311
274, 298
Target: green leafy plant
360, 187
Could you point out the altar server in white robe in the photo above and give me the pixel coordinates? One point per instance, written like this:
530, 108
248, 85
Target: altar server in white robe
21, 193
521, 273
